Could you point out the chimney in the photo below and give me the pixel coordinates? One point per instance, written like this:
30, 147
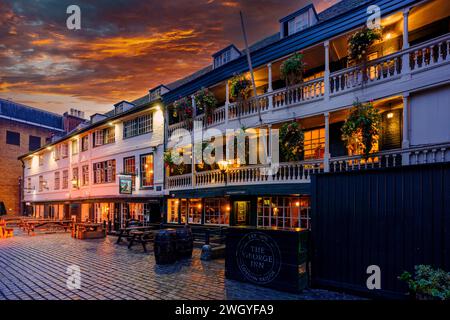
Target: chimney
72, 119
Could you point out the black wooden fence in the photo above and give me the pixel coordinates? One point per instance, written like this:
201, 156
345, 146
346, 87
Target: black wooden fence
393, 218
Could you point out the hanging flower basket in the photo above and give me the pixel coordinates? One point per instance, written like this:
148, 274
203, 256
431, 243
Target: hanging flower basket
169, 161
291, 142
362, 128
292, 69
183, 109
360, 42
206, 103
240, 88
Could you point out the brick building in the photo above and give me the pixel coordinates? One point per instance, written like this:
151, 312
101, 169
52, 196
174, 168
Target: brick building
23, 129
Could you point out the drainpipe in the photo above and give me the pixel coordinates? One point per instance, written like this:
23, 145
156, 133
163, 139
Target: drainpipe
21, 180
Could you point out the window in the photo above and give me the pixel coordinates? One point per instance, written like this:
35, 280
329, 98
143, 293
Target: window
284, 212
13, 138
28, 162
41, 160
217, 211
147, 170
138, 126
299, 23
105, 172
41, 183
34, 143
314, 144
129, 168
74, 147
57, 181
57, 153
195, 211
65, 179
65, 150
75, 176
29, 185
104, 136
172, 210
85, 143
85, 173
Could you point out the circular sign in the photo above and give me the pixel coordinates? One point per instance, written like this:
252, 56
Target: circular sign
258, 258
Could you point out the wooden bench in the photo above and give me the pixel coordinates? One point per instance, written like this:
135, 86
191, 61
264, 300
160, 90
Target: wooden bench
125, 232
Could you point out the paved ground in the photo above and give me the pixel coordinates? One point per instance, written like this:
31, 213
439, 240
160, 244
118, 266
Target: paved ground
35, 268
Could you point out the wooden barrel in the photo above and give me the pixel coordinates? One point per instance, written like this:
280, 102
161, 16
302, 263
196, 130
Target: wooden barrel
165, 246
185, 242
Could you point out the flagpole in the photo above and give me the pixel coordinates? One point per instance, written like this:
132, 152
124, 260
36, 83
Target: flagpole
249, 60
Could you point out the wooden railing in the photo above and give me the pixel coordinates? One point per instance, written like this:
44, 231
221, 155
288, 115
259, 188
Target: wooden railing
300, 172
421, 57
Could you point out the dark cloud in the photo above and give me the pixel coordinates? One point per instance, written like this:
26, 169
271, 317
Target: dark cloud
124, 47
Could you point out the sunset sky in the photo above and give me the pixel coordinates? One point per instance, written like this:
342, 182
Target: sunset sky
124, 47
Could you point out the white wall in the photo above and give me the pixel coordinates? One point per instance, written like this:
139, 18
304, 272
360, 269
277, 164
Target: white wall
430, 117
148, 143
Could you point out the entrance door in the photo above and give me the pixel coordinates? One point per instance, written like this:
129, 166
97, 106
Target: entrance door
242, 212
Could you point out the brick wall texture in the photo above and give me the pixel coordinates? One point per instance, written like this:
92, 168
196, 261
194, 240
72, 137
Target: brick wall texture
10, 166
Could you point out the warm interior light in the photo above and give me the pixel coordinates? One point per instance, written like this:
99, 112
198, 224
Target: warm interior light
388, 36
110, 124
390, 115
227, 208
297, 204
199, 206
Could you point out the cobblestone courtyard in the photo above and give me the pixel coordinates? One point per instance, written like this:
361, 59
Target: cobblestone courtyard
35, 268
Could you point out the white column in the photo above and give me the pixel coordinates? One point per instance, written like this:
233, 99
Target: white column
405, 58
227, 99
405, 141
326, 156
194, 109
270, 88
326, 77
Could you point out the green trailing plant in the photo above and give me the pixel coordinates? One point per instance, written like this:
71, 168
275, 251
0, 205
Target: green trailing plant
292, 69
240, 88
362, 128
360, 42
205, 102
428, 283
291, 142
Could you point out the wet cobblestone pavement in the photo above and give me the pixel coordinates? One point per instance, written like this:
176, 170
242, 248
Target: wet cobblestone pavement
35, 268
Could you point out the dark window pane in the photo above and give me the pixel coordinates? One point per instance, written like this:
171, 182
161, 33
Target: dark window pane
34, 143
13, 138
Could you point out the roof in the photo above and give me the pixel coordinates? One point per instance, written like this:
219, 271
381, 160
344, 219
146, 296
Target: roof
30, 115
338, 19
84, 128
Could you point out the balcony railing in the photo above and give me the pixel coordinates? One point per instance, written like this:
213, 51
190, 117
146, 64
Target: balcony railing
300, 172
418, 58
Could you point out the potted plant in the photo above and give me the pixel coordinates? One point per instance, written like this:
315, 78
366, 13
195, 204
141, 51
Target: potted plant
206, 103
362, 128
240, 88
292, 69
428, 283
291, 142
170, 161
358, 46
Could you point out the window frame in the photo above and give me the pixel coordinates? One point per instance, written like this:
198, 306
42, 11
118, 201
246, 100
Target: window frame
141, 177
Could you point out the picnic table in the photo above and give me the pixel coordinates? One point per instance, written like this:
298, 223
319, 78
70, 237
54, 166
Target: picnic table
46, 225
88, 230
125, 232
142, 237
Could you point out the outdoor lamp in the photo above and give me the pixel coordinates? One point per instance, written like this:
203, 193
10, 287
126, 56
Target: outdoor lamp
75, 183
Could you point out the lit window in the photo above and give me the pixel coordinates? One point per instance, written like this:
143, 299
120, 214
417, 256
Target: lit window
172, 210
314, 144
284, 212
129, 167
75, 146
217, 211
75, 174
147, 170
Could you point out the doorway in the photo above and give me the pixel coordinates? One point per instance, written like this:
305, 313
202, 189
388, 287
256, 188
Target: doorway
242, 212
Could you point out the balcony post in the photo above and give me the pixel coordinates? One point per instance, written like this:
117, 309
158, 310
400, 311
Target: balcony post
227, 100
194, 108
270, 87
405, 58
269, 152
405, 133
326, 78
326, 156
